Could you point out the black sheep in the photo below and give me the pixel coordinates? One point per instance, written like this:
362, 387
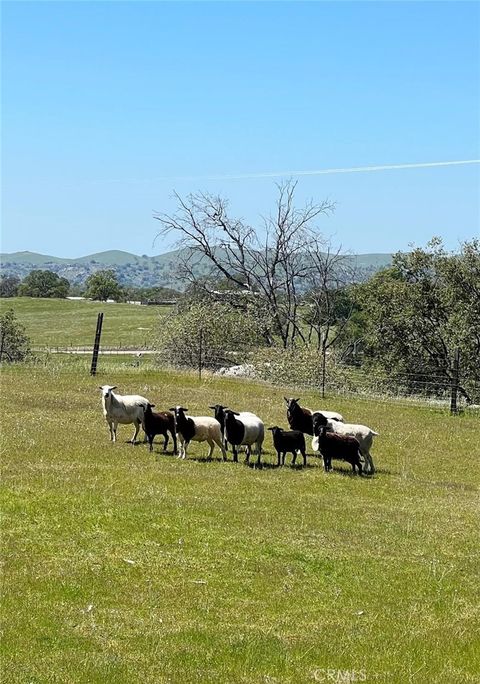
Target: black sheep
298, 417
288, 441
159, 424
332, 445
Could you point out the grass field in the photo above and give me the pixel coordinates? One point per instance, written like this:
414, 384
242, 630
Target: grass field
62, 322
126, 566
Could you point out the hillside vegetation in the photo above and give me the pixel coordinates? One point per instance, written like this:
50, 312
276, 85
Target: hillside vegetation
131, 269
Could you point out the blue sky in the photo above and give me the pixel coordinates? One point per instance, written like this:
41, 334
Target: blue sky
108, 107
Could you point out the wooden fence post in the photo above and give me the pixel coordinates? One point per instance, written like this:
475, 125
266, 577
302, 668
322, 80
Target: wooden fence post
455, 382
200, 353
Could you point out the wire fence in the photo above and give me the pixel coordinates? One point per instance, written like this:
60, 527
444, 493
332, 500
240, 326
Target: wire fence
304, 369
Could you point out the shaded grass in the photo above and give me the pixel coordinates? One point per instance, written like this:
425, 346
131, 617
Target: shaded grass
62, 322
125, 566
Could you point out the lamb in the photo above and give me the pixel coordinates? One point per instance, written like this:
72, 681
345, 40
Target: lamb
125, 409
288, 441
160, 423
197, 429
245, 428
362, 433
332, 445
301, 418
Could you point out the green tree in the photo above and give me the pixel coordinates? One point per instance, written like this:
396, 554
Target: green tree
421, 309
44, 284
14, 343
9, 285
103, 285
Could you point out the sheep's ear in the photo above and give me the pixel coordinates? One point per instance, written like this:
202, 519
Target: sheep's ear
152, 405
214, 408
114, 387
286, 399
297, 400
235, 413
172, 409
183, 409
271, 428
101, 387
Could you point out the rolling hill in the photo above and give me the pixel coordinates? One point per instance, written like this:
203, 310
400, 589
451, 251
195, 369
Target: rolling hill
133, 270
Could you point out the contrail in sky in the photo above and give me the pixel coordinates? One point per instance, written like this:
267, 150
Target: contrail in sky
320, 172
289, 174
352, 169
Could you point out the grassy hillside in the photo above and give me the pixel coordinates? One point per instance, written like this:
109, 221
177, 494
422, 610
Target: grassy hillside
126, 566
62, 322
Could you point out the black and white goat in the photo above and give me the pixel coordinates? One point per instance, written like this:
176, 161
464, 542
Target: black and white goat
288, 441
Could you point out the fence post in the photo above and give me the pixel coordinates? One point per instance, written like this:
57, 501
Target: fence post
455, 382
200, 353
324, 369
96, 345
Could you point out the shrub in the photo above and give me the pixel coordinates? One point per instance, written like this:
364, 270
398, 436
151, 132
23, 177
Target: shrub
14, 343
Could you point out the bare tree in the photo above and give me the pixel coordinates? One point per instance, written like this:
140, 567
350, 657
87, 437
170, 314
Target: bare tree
268, 266
327, 311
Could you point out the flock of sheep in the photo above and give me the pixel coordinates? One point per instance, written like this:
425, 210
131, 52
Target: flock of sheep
332, 437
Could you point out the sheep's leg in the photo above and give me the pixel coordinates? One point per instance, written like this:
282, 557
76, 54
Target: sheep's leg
185, 445
137, 428
222, 449
304, 459
235, 453
180, 452
150, 441
211, 444
368, 460
294, 459
165, 443
110, 427
175, 446
115, 425
279, 459
259, 453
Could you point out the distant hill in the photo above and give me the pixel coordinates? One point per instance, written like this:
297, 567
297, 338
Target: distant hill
134, 270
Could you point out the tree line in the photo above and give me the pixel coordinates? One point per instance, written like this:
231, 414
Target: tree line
101, 285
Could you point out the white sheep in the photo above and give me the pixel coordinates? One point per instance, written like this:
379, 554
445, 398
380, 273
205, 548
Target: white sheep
124, 409
363, 434
197, 429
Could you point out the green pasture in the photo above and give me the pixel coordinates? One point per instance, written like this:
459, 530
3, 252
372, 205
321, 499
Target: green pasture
123, 566
63, 322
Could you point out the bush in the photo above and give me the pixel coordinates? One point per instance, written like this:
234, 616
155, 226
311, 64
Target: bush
214, 333
14, 343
